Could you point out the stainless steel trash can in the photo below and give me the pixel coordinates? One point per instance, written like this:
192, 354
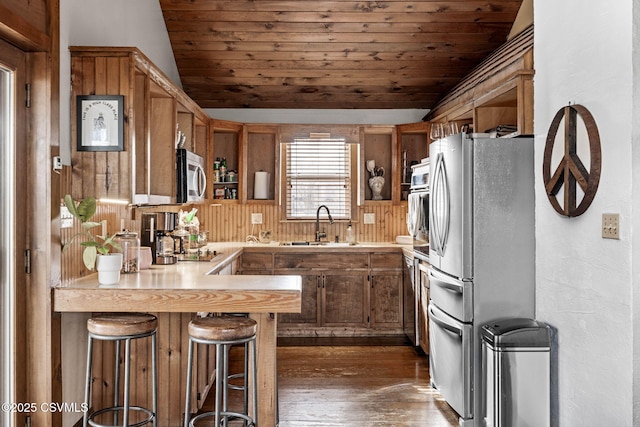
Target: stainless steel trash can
515, 354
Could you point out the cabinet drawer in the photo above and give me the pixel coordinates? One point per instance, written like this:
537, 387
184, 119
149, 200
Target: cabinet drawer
386, 260
257, 261
322, 260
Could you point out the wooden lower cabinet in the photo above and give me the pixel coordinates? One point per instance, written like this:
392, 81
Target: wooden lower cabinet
345, 301
423, 282
387, 271
310, 315
343, 294
329, 300
386, 300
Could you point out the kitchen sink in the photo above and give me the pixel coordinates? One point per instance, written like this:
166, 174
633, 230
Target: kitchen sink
204, 256
312, 244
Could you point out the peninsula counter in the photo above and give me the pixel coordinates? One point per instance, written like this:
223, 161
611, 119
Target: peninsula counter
190, 287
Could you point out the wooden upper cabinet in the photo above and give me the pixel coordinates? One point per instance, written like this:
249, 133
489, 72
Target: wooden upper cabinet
155, 109
413, 143
498, 92
378, 145
394, 148
261, 150
225, 143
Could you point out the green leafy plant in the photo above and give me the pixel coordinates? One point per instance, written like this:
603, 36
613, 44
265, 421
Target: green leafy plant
84, 211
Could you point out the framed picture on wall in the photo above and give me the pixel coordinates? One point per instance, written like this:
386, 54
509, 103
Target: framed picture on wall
100, 122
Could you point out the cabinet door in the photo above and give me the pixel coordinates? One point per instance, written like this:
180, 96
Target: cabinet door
345, 300
309, 315
386, 299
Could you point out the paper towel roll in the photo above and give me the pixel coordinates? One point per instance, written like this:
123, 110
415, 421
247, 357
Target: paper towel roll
261, 185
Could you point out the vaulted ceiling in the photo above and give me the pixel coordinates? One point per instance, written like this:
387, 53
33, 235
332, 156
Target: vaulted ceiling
331, 54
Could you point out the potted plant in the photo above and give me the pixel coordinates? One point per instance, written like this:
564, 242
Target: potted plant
97, 249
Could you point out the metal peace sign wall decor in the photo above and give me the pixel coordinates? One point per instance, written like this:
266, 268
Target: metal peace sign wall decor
571, 171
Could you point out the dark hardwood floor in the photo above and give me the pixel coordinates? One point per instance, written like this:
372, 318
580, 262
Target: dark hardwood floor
355, 384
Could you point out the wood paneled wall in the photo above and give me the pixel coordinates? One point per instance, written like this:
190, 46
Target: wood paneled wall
71, 259
232, 222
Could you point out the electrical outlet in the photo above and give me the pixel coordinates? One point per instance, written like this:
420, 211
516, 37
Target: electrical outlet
610, 226
256, 218
66, 219
369, 218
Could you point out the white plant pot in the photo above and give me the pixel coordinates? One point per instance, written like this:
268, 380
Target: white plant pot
108, 267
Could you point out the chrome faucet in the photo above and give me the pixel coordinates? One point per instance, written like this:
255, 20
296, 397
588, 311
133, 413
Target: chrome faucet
321, 234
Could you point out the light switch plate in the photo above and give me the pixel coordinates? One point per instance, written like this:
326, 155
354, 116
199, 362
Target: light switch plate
256, 218
610, 226
369, 218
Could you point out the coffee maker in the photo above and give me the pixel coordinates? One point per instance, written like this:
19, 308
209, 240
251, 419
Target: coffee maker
156, 233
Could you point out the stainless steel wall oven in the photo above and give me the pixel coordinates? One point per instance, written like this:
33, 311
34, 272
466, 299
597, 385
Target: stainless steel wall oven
418, 227
418, 209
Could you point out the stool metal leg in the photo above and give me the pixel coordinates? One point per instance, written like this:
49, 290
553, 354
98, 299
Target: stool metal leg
154, 373
245, 384
116, 384
127, 380
254, 381
225, 384
87, 386
187, 408
219, 370
245, 381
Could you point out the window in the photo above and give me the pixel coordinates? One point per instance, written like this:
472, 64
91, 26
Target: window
318, 171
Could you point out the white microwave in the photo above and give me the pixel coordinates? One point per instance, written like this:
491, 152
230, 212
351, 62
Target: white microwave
190, 175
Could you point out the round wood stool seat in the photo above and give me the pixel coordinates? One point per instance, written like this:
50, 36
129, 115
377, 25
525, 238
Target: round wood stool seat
122, 324
224, 328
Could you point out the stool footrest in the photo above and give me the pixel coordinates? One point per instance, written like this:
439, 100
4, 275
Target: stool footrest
121, 408
235, 377
229, 415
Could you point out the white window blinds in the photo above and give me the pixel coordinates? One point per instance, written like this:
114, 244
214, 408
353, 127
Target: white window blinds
318, 173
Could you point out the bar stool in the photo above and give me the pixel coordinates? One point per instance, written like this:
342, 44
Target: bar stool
223, 332
120, 327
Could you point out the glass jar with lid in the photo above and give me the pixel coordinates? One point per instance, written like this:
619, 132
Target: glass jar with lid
130, 247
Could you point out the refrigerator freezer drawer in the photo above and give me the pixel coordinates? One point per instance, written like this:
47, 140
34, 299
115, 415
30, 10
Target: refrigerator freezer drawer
453, 296
450, 360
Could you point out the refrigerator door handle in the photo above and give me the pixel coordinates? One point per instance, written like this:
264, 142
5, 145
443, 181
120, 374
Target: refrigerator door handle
446, 282
433, 317
441, 210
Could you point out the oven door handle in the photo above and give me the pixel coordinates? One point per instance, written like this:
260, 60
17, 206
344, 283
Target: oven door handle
433, 317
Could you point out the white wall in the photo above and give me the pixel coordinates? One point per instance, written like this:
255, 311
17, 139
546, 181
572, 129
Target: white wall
583, 55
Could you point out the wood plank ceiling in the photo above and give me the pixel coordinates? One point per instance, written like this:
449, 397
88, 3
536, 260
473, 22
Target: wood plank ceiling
330, 54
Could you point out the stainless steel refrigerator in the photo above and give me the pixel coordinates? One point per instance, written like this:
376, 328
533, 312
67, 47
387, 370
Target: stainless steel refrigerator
482, 255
